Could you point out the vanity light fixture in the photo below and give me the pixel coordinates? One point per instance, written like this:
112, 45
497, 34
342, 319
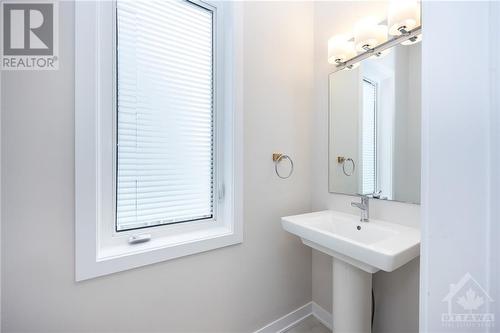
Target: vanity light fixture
340, 49
404, 16
372, 39
368, 34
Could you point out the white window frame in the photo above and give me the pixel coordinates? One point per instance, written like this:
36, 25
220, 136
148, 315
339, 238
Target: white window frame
100, 250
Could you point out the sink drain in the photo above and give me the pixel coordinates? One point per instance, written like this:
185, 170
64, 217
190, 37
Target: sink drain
358, 227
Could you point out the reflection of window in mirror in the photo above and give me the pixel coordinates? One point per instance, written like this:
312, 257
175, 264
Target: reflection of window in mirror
369, 137
379, 97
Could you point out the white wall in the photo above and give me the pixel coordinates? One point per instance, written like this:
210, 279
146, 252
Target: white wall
238, 288
460, 154
392, 297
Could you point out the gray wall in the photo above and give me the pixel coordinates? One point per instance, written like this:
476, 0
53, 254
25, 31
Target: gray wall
396, 293
239, 288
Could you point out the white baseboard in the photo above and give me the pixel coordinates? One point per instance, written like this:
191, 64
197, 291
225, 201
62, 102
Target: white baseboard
322, 315
296, 316
287, 321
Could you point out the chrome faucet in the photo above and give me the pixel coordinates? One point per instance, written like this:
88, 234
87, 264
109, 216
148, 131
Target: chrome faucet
364, 206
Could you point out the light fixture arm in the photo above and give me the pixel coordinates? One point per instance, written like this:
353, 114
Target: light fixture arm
408, 35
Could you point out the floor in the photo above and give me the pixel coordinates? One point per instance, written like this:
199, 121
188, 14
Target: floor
309, 325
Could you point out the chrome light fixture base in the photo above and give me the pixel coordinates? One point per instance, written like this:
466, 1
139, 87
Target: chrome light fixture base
411, 35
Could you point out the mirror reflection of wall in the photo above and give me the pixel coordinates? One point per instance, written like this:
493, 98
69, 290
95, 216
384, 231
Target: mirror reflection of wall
375, 122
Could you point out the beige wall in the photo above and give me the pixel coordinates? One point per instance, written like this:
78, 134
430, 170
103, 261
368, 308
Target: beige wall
396, 293
238, 288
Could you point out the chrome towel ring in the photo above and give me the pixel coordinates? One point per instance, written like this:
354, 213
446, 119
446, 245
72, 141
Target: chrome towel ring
277, 158
342, 160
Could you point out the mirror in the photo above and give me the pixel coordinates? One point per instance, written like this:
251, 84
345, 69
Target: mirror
374, 127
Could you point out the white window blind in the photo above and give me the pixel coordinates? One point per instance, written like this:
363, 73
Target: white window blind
369, 138
165, 115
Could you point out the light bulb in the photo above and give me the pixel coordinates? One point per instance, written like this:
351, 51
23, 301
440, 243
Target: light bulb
368, 34
403, 16
340, 49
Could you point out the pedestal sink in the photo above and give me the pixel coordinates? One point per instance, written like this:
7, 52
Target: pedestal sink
359, 249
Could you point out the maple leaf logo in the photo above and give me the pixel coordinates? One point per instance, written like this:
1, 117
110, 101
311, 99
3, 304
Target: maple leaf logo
470, 301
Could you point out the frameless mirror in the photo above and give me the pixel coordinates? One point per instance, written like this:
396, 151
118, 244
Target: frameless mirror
374, 135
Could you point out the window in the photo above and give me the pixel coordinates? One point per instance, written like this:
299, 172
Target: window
369, 137
165, 128
157, 139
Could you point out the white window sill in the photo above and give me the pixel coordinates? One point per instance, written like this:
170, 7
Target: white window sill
177, 244
124, 257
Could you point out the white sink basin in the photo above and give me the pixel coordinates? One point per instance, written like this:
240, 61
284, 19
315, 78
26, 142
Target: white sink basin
370, 246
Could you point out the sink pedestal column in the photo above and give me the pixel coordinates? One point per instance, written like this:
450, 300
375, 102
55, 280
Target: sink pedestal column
352, 298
